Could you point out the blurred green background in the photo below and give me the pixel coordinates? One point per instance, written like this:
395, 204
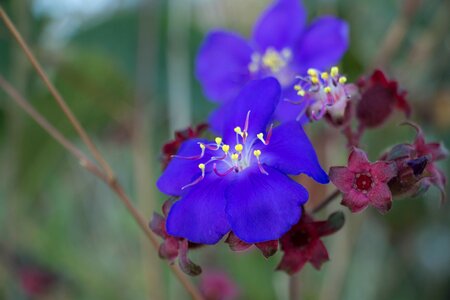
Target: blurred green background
125, 67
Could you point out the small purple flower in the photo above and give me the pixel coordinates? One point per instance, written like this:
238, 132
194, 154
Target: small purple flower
240, 181
282, 46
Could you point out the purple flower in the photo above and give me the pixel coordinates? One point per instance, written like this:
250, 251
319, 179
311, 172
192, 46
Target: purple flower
282, 46
240, 181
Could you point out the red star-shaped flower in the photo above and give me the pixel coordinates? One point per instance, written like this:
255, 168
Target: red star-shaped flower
364, 183
302, 243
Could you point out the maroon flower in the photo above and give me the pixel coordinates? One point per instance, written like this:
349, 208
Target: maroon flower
379, 97
302, 243
36, 281
171, 147
218, 286
173, 247
364, 183
268, 248
417, 169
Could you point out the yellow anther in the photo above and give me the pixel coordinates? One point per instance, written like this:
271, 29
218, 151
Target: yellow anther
273, 60
312, 72
324, 75
201, 166
301, 93
327, 90
334, 71
238, 130
260, 136
314, 79
218, 140
297, 87
239, 147
202, 146
226, 148
342, 80
257, 153
234, 156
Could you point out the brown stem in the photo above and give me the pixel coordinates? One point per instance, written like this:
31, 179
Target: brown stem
56, 95
322, 204
114, 185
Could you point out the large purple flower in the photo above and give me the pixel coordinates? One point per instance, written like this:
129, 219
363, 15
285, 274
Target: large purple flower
240, 181
281, 46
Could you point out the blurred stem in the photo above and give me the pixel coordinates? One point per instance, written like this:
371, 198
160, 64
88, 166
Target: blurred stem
395, 34
322, 204
178, 65
294, 287
107, 175
114, 185
56, 95
142, 137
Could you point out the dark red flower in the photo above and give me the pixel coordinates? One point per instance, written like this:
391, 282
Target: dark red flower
218, 286
268, 248
417, 169
173, 247
171, 147
364, 183
302, 243
379, 97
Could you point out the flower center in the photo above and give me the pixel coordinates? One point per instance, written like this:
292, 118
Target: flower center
363, 182
273, 62
227, 159
327, 91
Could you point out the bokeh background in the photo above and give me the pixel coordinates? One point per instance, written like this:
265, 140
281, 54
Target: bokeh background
126, 69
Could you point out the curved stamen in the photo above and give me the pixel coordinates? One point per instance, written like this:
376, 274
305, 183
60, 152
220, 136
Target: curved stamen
223, 174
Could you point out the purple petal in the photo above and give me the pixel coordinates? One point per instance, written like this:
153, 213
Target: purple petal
323, 44
263, 207
260, 97
199, 216
280, 25
181, 172
288, 111
222, 65
291, 152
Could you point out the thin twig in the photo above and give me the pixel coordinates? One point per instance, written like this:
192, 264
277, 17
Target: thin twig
84, 160
325, 201
56, 95
114, 185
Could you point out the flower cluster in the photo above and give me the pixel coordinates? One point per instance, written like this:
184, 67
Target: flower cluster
240, 183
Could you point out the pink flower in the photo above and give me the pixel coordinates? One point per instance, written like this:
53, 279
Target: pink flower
364, 183
302, 243
218, 286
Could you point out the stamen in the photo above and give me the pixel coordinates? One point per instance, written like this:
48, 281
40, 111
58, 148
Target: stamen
312, 72
343, 80
324, 75
222, 174
226, 148
218, 141
327, 90
201, 167
234, 156
239, 148
334, 71
257, 154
